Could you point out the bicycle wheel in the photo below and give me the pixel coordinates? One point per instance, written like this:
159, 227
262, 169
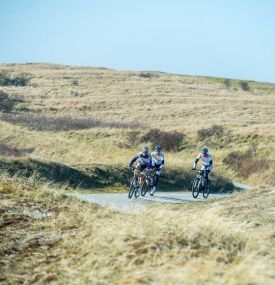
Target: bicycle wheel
144, 188
137, 192
196, 187
206, 188
133, 186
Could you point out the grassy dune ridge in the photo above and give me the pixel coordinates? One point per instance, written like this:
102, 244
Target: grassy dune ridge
168, 100
83, 116
60, 239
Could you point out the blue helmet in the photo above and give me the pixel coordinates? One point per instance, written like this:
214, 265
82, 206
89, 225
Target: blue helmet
204, 150
157, 148
145, 149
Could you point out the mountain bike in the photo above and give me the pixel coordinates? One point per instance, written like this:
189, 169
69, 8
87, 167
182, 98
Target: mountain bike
135, 183
201, 184
149, 179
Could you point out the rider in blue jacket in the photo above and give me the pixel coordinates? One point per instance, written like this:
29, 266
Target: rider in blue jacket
144, 161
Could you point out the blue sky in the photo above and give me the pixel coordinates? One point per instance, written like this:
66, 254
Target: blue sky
234, 39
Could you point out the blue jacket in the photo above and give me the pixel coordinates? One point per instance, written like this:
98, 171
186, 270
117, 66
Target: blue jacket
142, 159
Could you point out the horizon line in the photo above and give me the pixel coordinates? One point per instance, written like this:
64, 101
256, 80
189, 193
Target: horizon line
135, 70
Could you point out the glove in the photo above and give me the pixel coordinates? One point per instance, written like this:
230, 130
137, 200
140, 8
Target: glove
158, 173
194, 167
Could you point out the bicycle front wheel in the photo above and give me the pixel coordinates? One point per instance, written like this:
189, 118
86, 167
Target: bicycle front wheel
196, 188
137, 192
133, 186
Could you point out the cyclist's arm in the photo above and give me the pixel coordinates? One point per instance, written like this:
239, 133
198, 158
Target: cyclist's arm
133, 160
196, 161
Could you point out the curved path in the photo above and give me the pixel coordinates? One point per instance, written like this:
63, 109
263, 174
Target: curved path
121, 202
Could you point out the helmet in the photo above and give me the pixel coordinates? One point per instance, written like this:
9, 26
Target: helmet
157, 148
145, 149
204, 150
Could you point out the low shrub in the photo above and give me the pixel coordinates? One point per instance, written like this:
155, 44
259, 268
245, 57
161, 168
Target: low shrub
244, 85
148, 75
75, 82
169, 141
227, 83
18, 80
7, 102
9, 151
246, 163
78, 94
65, 123
215, 130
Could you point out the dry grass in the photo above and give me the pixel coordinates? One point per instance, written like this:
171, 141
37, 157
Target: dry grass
170, 101
48, 238
185, 104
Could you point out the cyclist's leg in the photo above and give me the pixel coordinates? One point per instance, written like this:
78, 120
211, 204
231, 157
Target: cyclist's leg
156, 180
206, 172
202, 174
142, 168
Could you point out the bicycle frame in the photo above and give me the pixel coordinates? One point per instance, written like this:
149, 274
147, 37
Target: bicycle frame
202, 174
201, 183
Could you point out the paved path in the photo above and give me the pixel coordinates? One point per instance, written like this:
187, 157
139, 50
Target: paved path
121, 202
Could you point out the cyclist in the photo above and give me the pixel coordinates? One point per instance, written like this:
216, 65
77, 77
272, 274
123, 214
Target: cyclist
157, 164
207, 162
144, 160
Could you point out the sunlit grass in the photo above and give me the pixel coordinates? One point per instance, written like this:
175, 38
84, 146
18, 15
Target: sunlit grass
219, 242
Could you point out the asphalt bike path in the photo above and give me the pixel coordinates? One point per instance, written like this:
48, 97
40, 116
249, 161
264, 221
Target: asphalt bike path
121, 202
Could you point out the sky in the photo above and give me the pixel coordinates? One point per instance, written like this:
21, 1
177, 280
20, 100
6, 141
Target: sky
221, 38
